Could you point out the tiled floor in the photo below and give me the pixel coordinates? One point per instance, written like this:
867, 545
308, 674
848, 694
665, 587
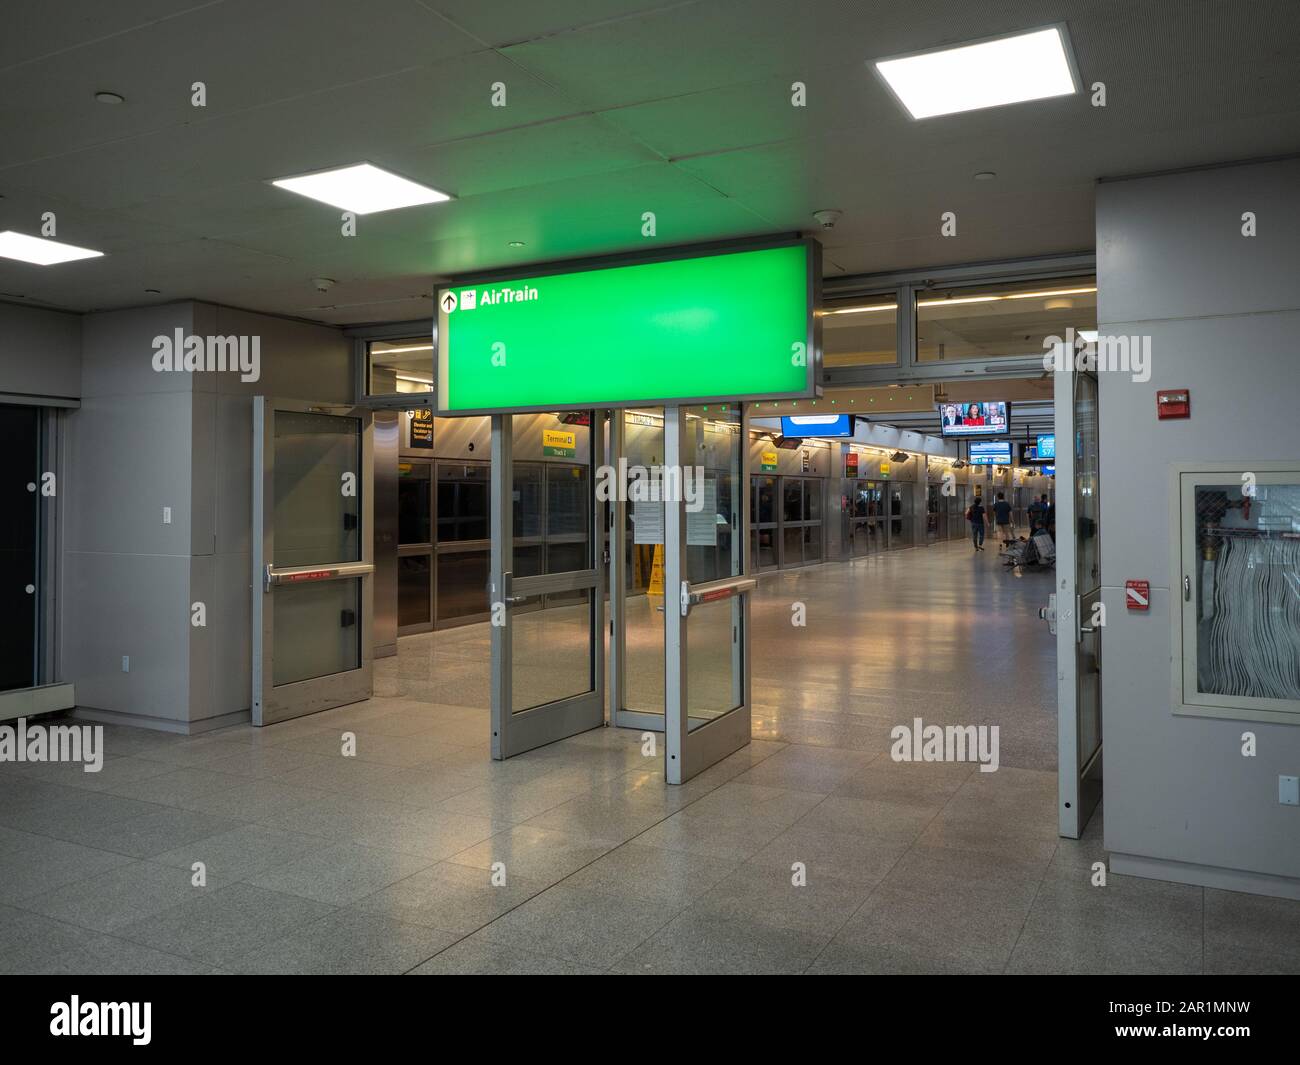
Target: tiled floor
421, 855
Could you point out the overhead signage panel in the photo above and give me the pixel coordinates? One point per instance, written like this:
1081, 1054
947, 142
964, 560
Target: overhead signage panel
724, 323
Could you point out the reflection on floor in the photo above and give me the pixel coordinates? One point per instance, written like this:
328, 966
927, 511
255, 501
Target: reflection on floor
384, 862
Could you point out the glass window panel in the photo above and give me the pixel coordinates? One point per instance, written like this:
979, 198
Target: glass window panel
792, 499
711, 444
1087, 503
567, 510
1246, 578
315, 523
394, 367
462, 584
551, 652
812, 500
527, 510
793, 546
998, 320
414, 524
765, 497
812, 542
317, 629
862, 331
413, 592
713, 674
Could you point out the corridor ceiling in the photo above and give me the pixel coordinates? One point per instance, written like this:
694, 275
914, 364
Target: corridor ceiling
613, 108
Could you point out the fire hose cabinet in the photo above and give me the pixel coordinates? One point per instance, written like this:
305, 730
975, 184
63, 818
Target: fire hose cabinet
1236, 590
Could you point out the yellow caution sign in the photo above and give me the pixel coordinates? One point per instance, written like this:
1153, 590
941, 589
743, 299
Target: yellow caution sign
657, 572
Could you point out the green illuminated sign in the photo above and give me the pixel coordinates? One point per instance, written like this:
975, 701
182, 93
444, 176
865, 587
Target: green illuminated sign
735, 323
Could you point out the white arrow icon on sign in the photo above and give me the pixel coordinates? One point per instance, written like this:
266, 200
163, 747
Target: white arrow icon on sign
449, 301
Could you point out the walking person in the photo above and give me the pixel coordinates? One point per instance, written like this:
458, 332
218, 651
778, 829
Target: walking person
1002, 518
975, 515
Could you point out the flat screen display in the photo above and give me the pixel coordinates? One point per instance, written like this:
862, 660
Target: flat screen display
817, 425
973, 419
1046, 446
990, 453
1049, 471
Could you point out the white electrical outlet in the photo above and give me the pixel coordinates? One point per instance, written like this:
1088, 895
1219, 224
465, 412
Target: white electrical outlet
1288, 791
167, 515
126, 663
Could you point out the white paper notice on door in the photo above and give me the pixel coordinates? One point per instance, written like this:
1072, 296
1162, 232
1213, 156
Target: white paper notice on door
647, 523
702, 525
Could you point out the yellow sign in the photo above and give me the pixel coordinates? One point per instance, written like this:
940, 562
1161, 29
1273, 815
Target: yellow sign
884, 469
767, 460
560, 443
657, 572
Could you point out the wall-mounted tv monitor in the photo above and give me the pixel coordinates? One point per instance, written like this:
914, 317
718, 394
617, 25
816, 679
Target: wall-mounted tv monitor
1049, 471
973, 419
1046, 446
834, 425
990, 453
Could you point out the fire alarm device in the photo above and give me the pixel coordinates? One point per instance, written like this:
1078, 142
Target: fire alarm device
1173, 403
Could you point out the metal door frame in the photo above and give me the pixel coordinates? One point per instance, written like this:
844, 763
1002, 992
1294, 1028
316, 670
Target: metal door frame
514, 733
1078, 787
689, 751
271, 703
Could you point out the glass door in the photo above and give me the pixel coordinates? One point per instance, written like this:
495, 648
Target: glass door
312, 558
706, 589
1078, 591
19, 537
548, 677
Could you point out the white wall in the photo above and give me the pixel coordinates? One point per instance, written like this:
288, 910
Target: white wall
40, 352
1223, 314
126, 575
143, 440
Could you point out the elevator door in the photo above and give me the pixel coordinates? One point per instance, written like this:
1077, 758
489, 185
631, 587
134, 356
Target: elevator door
20, 493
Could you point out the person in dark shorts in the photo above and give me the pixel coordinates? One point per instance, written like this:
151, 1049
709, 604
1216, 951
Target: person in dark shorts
1002, 518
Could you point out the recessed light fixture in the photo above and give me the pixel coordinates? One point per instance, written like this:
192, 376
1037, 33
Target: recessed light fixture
1010, 69
153, 292
109, 98
985, 175
516, 244
40, 251
363, 189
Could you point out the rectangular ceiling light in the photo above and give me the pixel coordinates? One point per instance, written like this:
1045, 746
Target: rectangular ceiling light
41, 251
363, 189
1003, 70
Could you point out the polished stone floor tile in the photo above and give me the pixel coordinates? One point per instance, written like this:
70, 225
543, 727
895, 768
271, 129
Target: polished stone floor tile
534, 853
475, 956
580, 925
218, 927
347, 942
107, 901
455, 898
340, 874
700, 942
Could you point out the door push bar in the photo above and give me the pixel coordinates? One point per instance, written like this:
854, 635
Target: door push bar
309, 574
714, 592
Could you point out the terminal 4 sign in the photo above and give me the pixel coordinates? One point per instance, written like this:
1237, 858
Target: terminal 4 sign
725, 322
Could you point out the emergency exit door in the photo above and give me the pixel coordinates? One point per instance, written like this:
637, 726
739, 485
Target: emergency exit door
1078, 616
313, 561
548, 630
